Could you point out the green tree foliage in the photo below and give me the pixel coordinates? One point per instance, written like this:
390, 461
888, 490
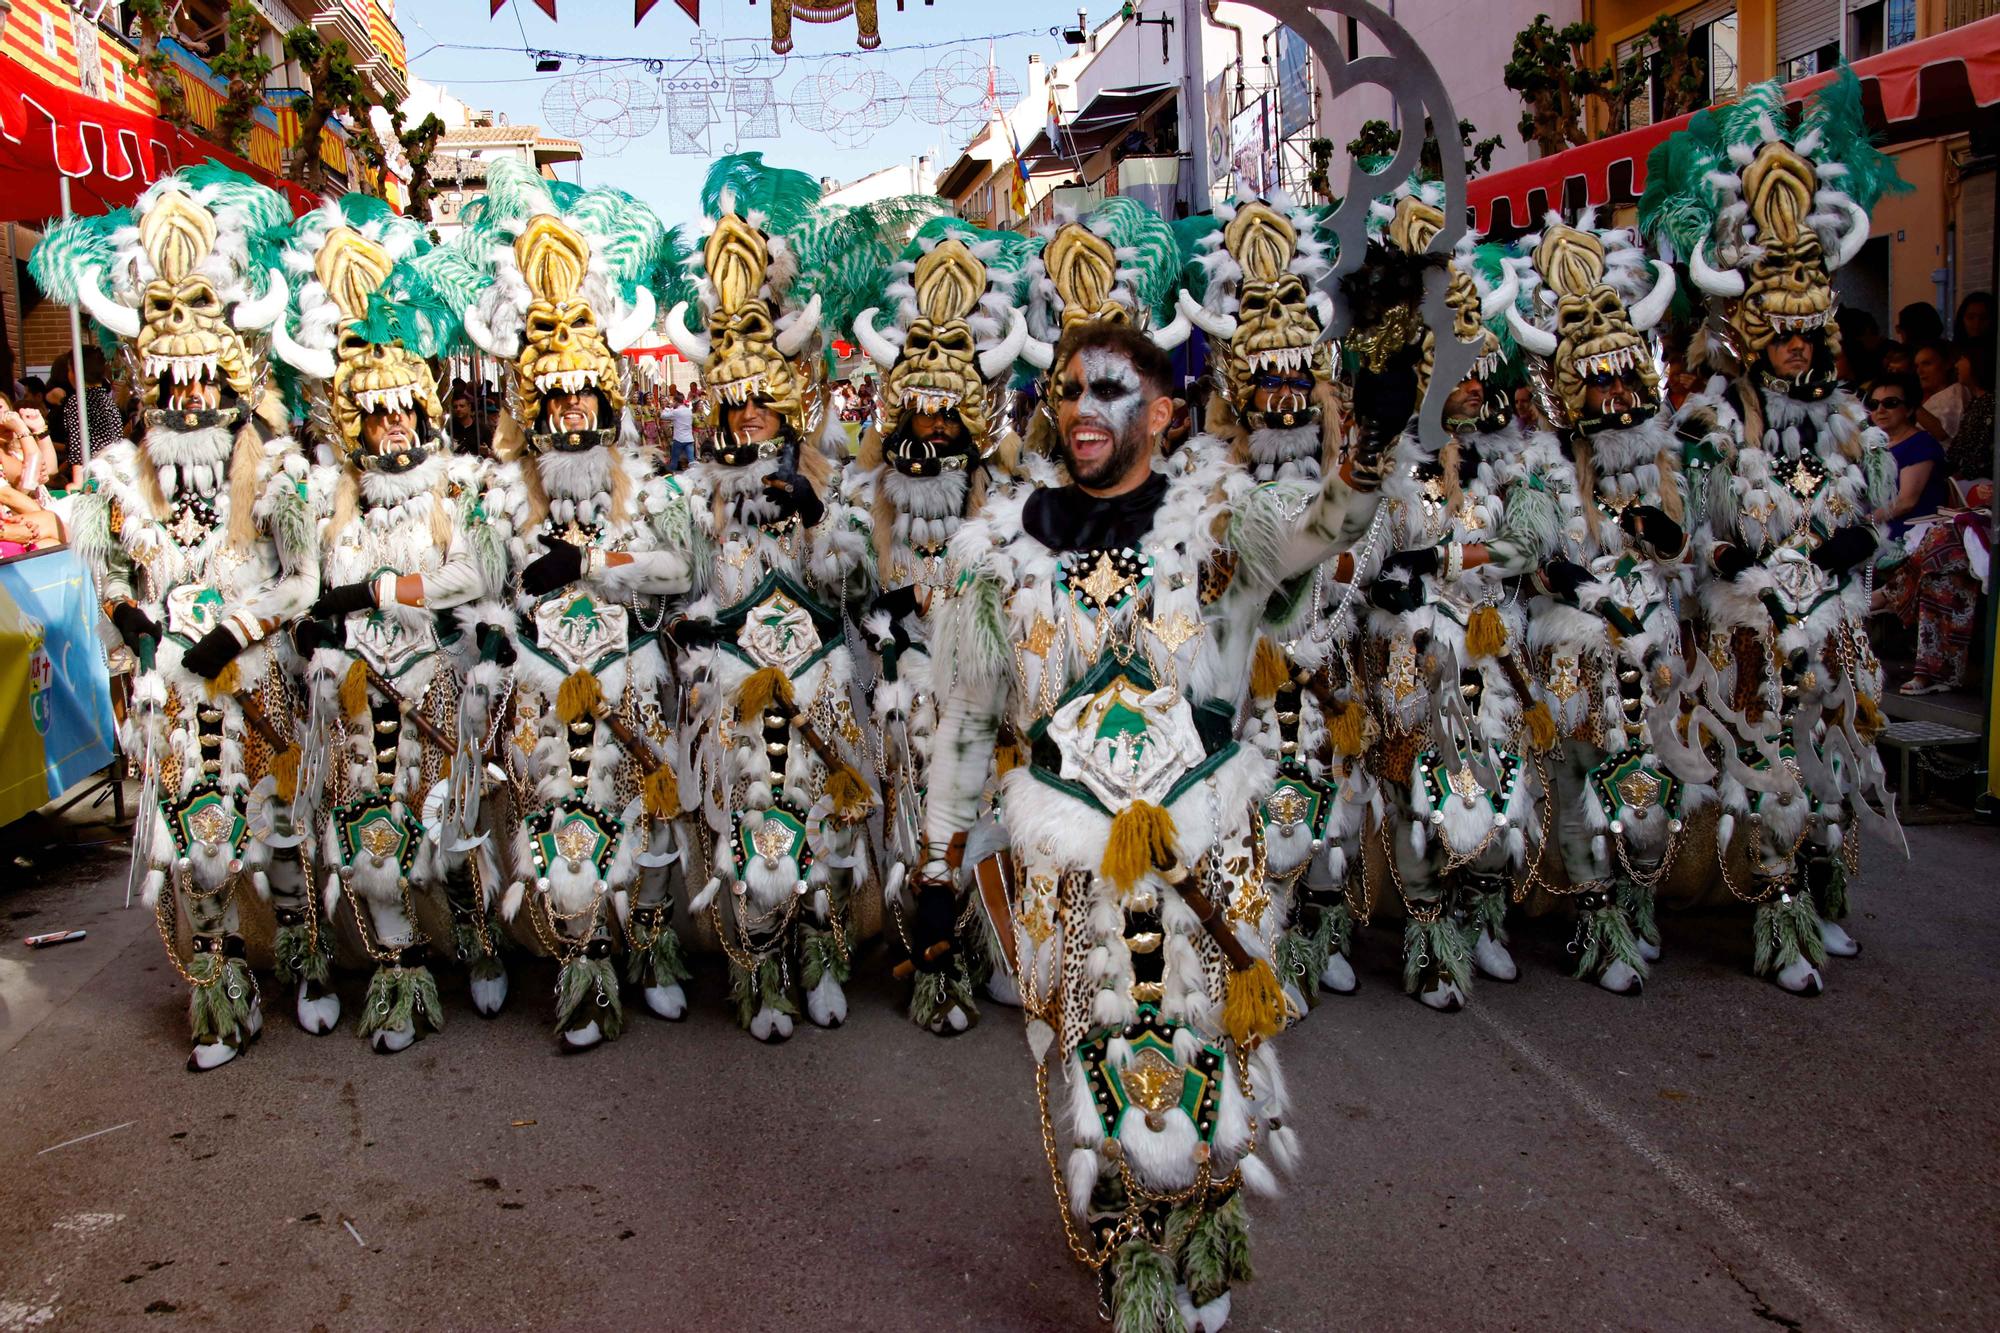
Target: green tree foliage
244, 68
158, 66
1551, 71
1379, 139
418, 143
333, 84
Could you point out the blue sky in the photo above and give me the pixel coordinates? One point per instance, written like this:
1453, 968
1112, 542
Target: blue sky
825, 68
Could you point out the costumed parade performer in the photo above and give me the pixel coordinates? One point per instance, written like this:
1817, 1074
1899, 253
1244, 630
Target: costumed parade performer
403, 543
778, 795
597, 540
1787, 471
942, 446
203, 546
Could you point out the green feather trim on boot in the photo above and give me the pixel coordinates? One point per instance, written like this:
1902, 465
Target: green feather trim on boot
1787, 930
661, 963
1302, 954
1142, 1291
399, 998
479, 952
1489, 913
220, 1011
1340, 924
1828, 877
819, 954
295, 958
587, 990
937, 992
765, 990
1606, 937
1213, 1244
1440, 947
1637, 900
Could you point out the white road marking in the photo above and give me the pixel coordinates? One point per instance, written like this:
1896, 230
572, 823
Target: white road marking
82, 1137
1809, 1284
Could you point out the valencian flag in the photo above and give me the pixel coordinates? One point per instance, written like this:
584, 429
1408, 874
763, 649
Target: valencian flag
56, 727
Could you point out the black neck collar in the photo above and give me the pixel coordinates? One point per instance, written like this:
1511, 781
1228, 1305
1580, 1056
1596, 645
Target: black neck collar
1066, 518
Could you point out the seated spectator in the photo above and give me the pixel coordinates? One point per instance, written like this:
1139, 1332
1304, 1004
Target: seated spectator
107, 427
1970, 453
1920, 470
26, 460
1861, 345
1944, 397
1894, 359
1919, 322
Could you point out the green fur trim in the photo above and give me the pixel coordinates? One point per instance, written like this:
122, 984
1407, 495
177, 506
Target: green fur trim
1446, 946
1488, 912
292, 528
1788, 930
1213, 1245
662, 962
937, 992
90, 528
1302, 953
480, 954
980, 948
1879, 476
1606, 937
489, 552
819, 954
587, 989
1533, 520
401, 997
1341, 919
1142, 1291
1830, 890
1637, 902
220, 1011
295, 959
970, 643
1258, 529
765, 990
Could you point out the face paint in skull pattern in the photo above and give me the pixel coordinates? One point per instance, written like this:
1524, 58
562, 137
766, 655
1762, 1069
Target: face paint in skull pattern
1103, 417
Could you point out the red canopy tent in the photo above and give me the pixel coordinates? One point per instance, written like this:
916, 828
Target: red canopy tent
1916, 90
110, 153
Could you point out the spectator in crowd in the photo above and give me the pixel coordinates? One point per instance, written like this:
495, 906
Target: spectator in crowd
1861, 345
107, 427
1920, 467
1527, 415
30, 398
1895, 360
679, 418
1974, 321
1944, 397
27, 458
469, 434
1933, 591
1970, 453
1919, 322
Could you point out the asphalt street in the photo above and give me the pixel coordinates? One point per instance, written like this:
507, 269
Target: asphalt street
1714, 1155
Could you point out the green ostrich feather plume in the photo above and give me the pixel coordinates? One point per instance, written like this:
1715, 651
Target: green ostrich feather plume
240, 202
842, 252
1188, 236
1149, 250
1836, 115
73, 247
784, 197
673, 279
1679, 202
625, 235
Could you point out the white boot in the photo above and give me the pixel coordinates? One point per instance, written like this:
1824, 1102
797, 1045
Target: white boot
211, 1055
1338, 975
1648, 950
388, 1041
955, 1020
770, 1025
1490, 956
669, 1001
826, 1003
1003, 989
1619, 978
1445, 997
583, 1038
256, 1023
1800, 977
1211, 1317
319, 1014
1836, 939
489, 994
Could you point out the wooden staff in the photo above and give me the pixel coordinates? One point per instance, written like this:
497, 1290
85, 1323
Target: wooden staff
425, 727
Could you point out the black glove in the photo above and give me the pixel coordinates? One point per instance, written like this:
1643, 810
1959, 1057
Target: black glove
217, 649
1561, 578
134, 626
1651, 526
900, 605
310, 635
1845, 549
560, 565
688, 632
793, 494
1396, 595
1418, 560
343, 599
494, 645
1730, 560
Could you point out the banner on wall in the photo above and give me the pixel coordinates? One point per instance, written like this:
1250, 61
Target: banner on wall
1250, 150
56, 727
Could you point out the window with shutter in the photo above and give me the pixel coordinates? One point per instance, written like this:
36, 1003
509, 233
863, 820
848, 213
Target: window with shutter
1804, 26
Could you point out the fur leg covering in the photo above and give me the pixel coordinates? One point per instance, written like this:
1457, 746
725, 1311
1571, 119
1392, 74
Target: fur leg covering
752, 994
219, 1005
586, 992
1788, 930
1142, 1291
1437, 949
401, 999
1211, 1246
1604, 937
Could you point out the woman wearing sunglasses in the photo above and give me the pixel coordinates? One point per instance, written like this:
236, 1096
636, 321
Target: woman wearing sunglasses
1892, 403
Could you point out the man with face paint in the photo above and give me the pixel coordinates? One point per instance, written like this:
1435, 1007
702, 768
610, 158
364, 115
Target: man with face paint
939, 451
1110, 623
1785, 470
203, 546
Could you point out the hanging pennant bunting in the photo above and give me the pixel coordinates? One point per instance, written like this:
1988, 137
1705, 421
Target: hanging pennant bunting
641, 8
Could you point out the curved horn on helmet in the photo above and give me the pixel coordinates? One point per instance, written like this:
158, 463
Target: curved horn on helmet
312, 362
1537, 340
1501, 297
1170, 336
122, 320
1041, 355
879, 349
1708, 279
1653, 308
636, 322
995, 361
263, 311
1322, 307
692, 345
793, 337
1856, 237
1212, 322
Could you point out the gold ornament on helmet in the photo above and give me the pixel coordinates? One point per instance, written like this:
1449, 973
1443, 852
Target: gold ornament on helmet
563, 346
1274, 327
745, 360
1595, 332
367, 376
184, 331
1788, 289
937, 369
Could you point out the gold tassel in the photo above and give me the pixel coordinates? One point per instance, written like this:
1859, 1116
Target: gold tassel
579, 696
849, 794
1485, 633
1006, 758
227, 682
763, 689
1253, 1005
354, 690
285, 772
1269, 672
1541, 727
1868, 721
1142, 838
1344, 728
663, 793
